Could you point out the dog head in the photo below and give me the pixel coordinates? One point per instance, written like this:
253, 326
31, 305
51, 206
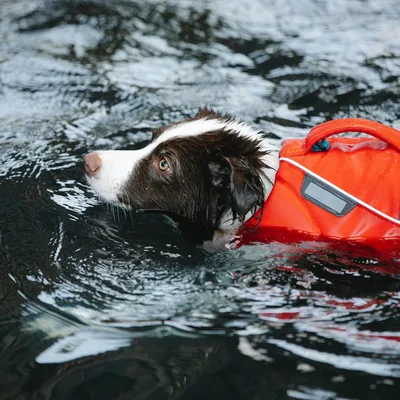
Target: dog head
211, 170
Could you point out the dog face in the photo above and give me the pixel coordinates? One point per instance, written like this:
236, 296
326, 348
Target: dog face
202, 169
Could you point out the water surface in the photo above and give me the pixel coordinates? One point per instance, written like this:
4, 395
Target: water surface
97, 303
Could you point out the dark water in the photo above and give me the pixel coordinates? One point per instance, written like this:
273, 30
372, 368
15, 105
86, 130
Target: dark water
97, 304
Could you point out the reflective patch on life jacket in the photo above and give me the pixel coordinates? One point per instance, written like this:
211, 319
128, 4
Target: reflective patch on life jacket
325, 196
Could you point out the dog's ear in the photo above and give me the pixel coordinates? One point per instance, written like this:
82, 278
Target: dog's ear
241, 181
246, 187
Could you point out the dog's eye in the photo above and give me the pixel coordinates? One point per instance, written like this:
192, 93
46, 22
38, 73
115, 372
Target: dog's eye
163, 165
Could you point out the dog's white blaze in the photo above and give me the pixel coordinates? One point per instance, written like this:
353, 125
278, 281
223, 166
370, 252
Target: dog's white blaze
118, 165
115, 170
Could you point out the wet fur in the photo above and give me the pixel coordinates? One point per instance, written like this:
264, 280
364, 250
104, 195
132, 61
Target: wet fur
214, 174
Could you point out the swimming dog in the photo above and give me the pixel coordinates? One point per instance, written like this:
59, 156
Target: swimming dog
210, 173
216, 175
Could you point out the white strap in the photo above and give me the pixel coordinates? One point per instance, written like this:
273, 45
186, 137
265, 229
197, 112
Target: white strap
355, 199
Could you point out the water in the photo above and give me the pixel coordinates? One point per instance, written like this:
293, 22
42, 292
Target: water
96, 303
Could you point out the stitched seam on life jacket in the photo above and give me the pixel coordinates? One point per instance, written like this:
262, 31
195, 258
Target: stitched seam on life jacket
308, 211
354, 198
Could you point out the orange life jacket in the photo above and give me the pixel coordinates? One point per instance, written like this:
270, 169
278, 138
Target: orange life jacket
348, 190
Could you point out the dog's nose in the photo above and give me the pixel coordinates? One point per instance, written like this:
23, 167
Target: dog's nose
92, 164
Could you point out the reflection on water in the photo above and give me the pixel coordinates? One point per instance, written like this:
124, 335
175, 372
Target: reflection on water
99, 303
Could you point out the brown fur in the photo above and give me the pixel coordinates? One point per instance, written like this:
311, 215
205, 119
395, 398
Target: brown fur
209, 175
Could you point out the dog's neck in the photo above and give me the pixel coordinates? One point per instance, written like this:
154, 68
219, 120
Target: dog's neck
229, 226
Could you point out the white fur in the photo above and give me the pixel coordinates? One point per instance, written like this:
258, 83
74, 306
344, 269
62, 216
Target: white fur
116, 169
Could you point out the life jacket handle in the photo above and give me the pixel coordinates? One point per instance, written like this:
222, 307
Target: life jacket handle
383, 132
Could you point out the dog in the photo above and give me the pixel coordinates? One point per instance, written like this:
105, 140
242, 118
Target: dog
217, 176
210, 173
